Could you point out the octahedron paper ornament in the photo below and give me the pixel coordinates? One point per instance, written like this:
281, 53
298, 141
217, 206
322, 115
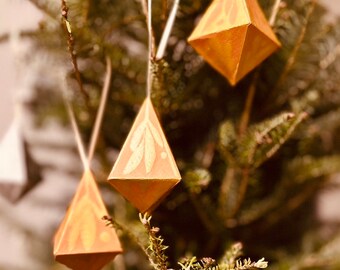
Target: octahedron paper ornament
16, 177
145, 170
234, 37
83, 241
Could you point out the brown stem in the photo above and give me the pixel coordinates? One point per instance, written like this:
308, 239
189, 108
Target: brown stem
164, 15
242, 130
242, 191
248, 106
71, 49
228, 179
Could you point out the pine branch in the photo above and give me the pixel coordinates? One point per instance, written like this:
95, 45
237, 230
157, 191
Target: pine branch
229, 261
195, 181
156, 249
263, 140
195, 264
227, 141
292, 57
297, 172
248, 264
109, 221
231, 255
291, 204
308, 168
261, 208
42, 6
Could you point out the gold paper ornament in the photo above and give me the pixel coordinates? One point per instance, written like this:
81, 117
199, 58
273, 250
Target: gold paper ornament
145, 170
83, 241
234, 37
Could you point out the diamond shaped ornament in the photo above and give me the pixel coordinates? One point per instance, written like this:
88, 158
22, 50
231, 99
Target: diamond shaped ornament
83, 241
234, 37
145, 170
18, 172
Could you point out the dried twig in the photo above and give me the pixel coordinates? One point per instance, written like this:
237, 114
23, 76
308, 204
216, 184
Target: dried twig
71, 49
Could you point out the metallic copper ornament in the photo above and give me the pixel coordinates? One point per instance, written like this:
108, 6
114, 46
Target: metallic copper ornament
83, 241
234, 37
145, 170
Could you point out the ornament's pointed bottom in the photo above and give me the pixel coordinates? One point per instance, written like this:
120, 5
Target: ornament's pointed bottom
83, 236
94, 261
223, 50
145, 195
257, 47
12, 192
13, 167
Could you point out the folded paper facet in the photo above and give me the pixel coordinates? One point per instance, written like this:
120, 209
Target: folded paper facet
145, 170
18, 172
234, 37
83, 241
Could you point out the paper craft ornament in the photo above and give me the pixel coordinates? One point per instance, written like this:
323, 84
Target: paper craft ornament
145, 170
18, 172
234, 37
83, 241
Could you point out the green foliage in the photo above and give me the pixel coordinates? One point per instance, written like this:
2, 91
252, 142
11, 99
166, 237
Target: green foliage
197, 179
156, 249
237, 186
230, 261
260, 143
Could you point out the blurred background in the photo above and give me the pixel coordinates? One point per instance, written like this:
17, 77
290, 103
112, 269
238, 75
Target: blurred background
27, 226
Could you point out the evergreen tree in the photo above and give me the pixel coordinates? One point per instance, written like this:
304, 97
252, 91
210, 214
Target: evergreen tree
252, 157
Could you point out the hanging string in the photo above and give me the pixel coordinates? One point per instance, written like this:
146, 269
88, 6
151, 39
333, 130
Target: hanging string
164, 40
99, 117
275, 10
79, 141
149, 67
167, 31
100, 113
